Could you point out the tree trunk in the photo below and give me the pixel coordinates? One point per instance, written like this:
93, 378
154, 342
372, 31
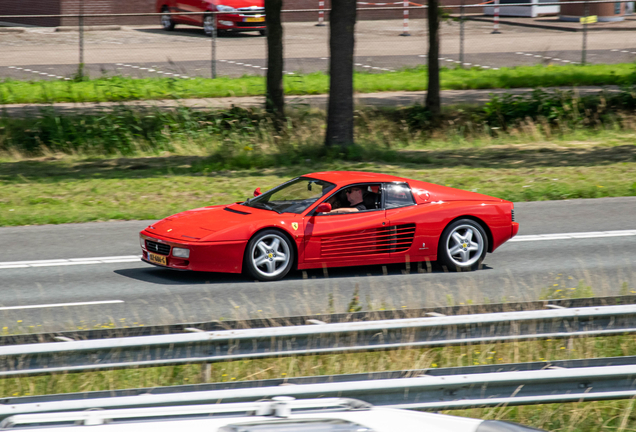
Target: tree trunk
275, 98
342, 21
433, 101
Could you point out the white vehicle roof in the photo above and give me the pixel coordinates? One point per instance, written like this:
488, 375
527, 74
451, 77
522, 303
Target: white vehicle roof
283, 414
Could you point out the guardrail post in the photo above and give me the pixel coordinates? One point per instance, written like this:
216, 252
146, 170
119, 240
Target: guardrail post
461, 34
213, 65
206, 372
584, 49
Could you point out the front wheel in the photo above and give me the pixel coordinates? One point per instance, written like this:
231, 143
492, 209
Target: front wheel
269, 256
463, 246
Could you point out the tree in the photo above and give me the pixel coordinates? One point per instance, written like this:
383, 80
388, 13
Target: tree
342, 21
433, 100
275, 97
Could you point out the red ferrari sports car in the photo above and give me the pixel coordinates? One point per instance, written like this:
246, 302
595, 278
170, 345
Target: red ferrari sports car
333, 219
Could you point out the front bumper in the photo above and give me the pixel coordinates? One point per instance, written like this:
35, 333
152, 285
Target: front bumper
241, 22
221, 257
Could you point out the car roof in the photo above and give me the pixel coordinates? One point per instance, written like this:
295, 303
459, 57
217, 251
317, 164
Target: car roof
347, 177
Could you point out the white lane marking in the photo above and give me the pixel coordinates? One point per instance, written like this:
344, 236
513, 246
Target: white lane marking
36, 72
574, 236
68, 262
54, 305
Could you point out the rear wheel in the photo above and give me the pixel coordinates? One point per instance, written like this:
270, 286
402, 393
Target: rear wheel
263, 32
166, 19
269, 256
463, 246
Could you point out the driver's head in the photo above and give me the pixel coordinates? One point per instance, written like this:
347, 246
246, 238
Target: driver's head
354, 195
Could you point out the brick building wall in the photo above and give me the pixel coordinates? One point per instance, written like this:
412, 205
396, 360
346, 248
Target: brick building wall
71, 7
34, 7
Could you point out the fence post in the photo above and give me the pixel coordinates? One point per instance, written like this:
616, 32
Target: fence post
405, 31
461, 34
213, 65
584, 49
496, 19
321, 13
80, 69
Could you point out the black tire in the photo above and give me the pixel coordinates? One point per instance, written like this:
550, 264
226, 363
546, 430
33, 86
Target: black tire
269, 247
460, 250
263, 32
167, 23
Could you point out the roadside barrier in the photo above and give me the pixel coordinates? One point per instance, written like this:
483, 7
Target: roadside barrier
318, 338
430, 389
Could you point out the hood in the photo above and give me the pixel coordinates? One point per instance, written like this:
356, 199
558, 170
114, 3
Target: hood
445, 193
196, 224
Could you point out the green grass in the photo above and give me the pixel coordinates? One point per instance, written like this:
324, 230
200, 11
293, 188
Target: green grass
81, 190
121, 89
123, 164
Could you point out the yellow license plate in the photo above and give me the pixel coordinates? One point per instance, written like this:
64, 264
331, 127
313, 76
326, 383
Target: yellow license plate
157, 259
255, 19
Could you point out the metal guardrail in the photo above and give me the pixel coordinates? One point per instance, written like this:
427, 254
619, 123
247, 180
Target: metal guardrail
432, 389
207, 347
374, 315
281, 407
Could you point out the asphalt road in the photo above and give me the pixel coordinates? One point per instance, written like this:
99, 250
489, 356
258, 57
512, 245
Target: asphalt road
134, 293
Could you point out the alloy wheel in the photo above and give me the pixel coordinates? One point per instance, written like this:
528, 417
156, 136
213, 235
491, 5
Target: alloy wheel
270, 255
465, 245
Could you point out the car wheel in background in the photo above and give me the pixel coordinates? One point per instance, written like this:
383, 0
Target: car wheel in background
269, 255
209, 25
462, 246
166, 19
263, 32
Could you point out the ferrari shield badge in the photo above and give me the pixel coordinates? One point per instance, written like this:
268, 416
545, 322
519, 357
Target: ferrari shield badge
295, 225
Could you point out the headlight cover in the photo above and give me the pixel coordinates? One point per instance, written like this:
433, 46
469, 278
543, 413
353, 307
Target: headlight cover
180, 252
223, 8
142, 242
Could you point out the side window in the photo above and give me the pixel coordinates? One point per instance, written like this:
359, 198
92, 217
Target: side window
358, 197
398, 195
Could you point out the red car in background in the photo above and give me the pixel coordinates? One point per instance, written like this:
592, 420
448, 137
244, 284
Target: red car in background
241, 16
333, 219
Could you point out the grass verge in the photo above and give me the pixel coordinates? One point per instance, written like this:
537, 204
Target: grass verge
119, 88
125, 164
45, 192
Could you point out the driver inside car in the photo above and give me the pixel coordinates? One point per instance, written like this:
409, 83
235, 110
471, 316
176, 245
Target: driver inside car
356, 201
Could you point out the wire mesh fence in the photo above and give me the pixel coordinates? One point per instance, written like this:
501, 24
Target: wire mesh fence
469, 39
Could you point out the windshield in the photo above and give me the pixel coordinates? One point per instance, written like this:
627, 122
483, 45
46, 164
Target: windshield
294, 196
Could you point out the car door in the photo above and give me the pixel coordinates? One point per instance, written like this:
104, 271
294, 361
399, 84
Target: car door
412, 238
347, 238
192, 6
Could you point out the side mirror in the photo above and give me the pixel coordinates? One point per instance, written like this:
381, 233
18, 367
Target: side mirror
323, 208
257, 191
